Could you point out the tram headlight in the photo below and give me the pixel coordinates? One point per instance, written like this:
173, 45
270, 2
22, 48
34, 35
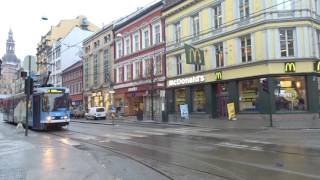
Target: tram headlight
49, 118
65, 117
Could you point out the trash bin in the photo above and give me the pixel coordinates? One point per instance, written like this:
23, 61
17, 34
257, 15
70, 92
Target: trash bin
139, 115
165, 117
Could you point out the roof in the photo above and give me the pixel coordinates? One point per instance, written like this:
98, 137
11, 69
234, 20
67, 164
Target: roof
171, 3
73, 66
137, 14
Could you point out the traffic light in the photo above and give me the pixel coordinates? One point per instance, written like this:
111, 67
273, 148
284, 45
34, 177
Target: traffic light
265, 85
28, 86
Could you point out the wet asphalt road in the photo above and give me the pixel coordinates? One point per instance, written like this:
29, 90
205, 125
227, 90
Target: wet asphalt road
198, 153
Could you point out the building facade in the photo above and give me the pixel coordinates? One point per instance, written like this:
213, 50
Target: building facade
139, 68
244, 43
9, 68
65, 52
97, 68
48, 47
72, 78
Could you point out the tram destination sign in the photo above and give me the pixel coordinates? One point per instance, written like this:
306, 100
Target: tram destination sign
186, 81
55, 91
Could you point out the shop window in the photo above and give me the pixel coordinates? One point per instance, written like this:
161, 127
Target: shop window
180, 95
248, 93
290, 94
198, 99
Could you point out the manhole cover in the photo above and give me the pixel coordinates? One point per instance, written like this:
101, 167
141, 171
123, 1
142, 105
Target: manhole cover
13, 174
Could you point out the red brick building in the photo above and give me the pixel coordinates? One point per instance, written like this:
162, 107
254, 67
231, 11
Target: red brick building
139, 68
72, 79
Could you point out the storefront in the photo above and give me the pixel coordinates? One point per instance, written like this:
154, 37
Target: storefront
98, 98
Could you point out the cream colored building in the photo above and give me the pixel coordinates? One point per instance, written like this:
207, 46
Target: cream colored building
45, 46
97, 68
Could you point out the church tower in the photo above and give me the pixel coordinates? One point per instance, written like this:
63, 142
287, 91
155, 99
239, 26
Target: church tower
10, 43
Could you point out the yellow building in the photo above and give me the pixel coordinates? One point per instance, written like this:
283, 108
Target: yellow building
97, 68
258, 54
58, 32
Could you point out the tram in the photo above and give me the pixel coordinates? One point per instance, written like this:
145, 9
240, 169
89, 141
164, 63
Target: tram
48, 108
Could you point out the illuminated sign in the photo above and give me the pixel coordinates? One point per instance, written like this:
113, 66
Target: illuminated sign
55, 91
218, 75
290, 67
286, 84
188, 80
317, 66
132, 89
194, 55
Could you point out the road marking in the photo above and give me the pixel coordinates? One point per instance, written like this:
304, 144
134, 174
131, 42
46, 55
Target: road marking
257, 141
151, 133
239, 146
69, 142
132, 135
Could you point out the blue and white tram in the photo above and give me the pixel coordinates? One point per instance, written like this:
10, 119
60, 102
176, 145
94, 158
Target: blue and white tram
49, 107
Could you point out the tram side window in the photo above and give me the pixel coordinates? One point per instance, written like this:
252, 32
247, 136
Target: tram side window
45, 103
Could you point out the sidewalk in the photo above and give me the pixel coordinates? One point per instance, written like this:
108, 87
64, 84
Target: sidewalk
241, 123
39, 156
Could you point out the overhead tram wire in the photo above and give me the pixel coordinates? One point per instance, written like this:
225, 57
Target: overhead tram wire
229, 23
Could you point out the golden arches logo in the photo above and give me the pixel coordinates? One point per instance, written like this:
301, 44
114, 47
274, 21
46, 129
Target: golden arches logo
290, 67
218, 75
317, 66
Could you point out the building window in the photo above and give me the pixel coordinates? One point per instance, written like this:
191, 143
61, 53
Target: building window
158, 65
317, 6
197, 67
177, 32
198, 99
195, 25
244, 9
119, 49
148, 67
180, 96
58, 52
287, 42
290, 94
128, 72
106, 58
248, 94
284, 4
219, 55
121, 74
217, 20
95, 69
156, 34
137, 70
246, 53
58, 65
146, 39
136, 42
179, 64
127, 44
86, 73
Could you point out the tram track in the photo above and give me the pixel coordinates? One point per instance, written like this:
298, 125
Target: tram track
141, 161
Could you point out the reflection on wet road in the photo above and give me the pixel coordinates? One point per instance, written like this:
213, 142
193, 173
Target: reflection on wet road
186, 153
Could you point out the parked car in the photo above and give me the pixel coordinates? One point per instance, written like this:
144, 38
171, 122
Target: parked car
96, 113
77, 114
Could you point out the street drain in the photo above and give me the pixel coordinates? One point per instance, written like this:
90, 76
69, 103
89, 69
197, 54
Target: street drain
13, 174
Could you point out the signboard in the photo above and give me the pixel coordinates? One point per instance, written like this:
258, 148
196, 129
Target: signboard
54, 91
132, 89
184, 111
194, 55
289, 67
218, 75
317, 66
231, 111
185, 81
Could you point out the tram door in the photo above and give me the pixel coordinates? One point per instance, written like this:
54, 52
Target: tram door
36, 111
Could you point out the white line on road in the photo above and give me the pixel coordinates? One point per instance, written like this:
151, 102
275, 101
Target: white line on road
239, 146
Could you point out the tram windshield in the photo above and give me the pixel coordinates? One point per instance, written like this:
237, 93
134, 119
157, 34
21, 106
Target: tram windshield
55, 102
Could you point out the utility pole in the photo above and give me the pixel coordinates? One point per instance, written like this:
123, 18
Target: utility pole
28, 87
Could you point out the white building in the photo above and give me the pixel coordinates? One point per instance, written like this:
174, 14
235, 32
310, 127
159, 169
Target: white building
33, 64
65, 52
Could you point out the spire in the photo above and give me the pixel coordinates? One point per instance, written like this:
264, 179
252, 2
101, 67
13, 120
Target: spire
10, 43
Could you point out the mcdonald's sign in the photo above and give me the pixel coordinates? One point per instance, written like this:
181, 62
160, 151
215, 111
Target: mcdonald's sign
194, 55
218, 75
317, 66
289, 67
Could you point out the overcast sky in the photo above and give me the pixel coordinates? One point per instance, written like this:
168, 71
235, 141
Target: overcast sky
24, 18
